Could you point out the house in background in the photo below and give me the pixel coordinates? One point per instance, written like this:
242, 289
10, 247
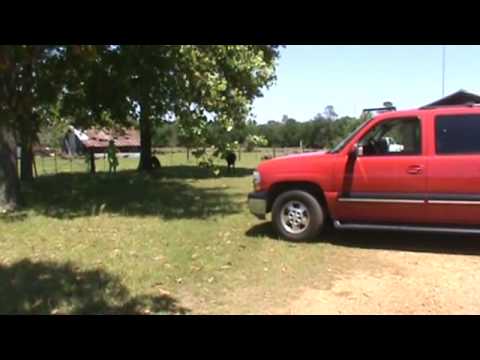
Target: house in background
77, 142
461, 97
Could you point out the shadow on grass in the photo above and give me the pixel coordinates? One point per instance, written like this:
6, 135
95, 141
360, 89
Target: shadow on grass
166, 194
197, 172
13, 217
44, 287
396, 241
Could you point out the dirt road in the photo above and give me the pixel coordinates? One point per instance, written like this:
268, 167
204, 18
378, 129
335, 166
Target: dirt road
357, 273
426, 274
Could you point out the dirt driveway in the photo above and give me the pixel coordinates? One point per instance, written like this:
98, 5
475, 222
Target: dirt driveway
352, 273
396, 274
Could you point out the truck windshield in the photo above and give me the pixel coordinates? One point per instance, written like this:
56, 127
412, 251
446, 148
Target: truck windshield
345, 141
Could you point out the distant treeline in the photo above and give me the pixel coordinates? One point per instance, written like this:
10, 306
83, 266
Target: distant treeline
320, 132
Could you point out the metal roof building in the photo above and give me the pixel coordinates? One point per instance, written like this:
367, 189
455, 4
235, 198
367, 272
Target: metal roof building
77, 142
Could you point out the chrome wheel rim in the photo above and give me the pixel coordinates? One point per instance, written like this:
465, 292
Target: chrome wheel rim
294, 217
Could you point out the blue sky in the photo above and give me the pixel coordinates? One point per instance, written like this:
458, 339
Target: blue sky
353, 77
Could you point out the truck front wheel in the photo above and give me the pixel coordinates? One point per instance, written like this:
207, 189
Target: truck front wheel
297, 216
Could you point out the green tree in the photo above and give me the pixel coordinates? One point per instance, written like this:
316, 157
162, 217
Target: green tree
30, 86
106, 85
195, 83
321, 132
330, 113
272, 131
30, 82
189, 139
291, 134
253, 141
165, 134
42, 83
89, 89
93, 93
52, 132
227, 79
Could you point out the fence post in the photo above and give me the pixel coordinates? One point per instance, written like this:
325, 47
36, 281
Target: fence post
274, 152
35, 165
55, 158
17, 159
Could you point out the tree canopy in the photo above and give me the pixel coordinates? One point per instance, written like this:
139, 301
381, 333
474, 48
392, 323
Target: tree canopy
116, 85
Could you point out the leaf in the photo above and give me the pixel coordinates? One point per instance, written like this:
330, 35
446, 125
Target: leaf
163, 292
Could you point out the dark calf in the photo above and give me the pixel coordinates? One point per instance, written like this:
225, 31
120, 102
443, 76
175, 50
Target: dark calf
231, 159
156, 163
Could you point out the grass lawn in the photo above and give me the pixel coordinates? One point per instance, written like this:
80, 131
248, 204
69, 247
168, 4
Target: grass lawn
180, 242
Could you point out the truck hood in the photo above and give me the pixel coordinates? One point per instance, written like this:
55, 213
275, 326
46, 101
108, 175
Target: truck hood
301, 156
314, 167
296, 164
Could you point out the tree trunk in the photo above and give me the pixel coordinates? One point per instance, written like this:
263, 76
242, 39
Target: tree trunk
28, 123
9, 184
26, 160
145, 141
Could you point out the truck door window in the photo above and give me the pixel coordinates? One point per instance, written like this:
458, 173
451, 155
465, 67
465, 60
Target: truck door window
393, 137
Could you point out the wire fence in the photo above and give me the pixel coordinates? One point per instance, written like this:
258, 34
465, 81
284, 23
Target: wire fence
53, 161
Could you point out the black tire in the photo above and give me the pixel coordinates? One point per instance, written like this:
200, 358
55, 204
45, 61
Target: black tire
311, 206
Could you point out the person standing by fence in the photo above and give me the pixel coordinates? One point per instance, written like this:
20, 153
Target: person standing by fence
112, 157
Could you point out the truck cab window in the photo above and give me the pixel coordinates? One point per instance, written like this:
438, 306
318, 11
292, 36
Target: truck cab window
393, 137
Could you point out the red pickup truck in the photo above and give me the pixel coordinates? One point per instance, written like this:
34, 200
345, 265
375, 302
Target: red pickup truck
416, 170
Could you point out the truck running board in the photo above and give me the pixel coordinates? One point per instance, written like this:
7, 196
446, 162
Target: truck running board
380, 227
